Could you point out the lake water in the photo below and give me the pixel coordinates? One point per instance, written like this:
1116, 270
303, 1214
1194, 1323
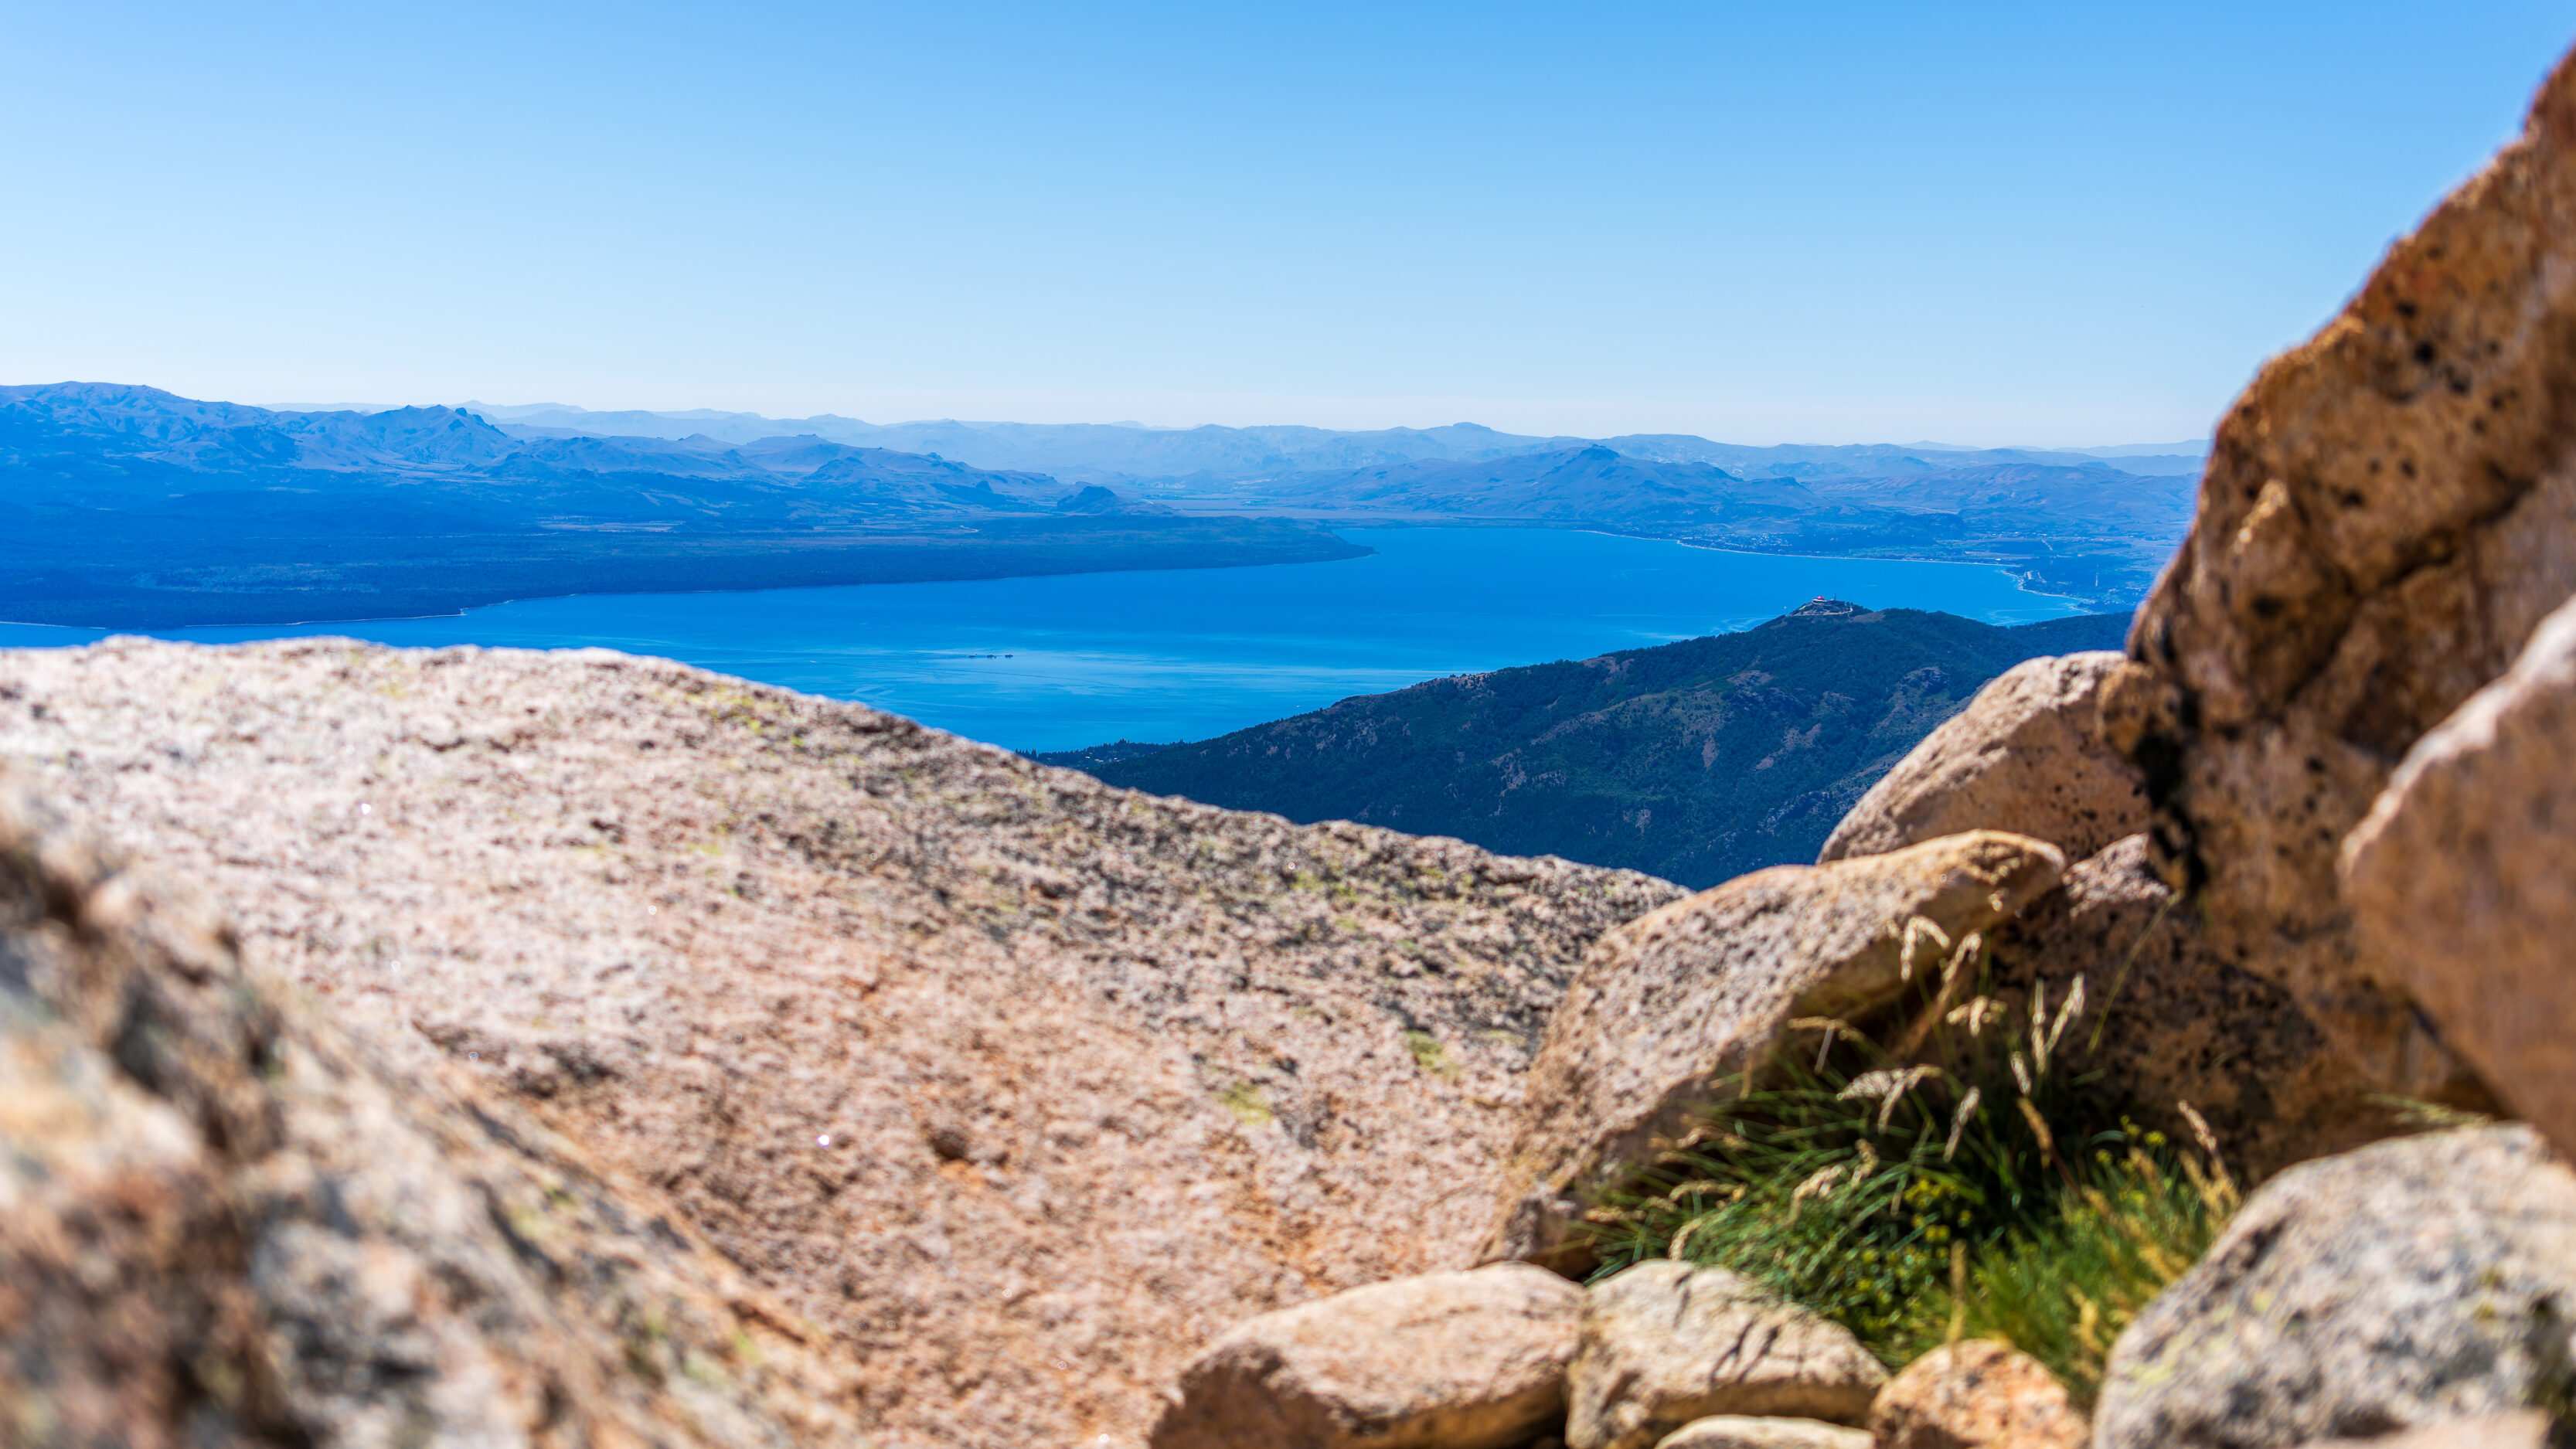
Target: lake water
1081, 659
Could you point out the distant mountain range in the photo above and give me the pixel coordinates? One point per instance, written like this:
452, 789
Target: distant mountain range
1695, 761
2094, 525
129, 506
1127, 452
2089, 531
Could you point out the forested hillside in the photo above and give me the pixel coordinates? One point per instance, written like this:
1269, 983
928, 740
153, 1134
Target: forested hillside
1694, 761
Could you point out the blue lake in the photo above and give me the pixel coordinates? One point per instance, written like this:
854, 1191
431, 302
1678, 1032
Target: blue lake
1080, 659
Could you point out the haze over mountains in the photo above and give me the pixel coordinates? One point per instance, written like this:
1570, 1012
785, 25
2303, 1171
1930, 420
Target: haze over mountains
1131, 452
129, 506
2090, 524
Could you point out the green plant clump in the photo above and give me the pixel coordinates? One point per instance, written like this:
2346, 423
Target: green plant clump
2062, 1290
1969, 1181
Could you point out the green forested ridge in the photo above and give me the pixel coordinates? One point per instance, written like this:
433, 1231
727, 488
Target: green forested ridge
1694, 761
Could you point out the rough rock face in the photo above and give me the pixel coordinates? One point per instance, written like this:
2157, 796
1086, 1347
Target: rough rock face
2408, 1284
1445, 1361
1022, 1086
2388, 512
1703, 987
2524, 1429
2460, 882
2183, 1024
222, 1222
1737, 1431
2027, 755
1664, 1343
1976, 1395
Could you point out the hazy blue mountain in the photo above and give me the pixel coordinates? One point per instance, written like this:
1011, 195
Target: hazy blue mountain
1217, 455
1565, 485
2090, 531
1885, 460
130, 506
144, 428
1695, 761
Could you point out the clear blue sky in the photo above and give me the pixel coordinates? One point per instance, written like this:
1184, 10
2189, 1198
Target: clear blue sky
2056, 224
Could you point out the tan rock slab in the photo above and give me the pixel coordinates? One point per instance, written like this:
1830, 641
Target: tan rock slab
2028, 755
1022, 1086
1668, 1005
225, 1221
2388, 512
2410, 1284
1664, 1343
1738, 1431
1445, 1361
2462, 880
1977, 1395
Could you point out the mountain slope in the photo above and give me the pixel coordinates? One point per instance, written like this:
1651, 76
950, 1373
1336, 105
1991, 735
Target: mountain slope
1694, 761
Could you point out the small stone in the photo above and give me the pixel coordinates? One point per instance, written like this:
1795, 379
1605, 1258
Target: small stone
1738, 1431
1976, 1395
1664, 1343
1470, 1360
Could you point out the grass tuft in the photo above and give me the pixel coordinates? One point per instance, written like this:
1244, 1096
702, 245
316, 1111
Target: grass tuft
1971, 1182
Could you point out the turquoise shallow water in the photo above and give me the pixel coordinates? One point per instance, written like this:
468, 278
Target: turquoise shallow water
1079, 659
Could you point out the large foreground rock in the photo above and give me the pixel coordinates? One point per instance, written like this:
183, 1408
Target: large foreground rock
222, 1222
1976, 1395
2463, 879
1446, 1361
2170, 1020
1670, 1004
2412, 1283
2028, 755
1664, 1343
2388, 512
1024, 1087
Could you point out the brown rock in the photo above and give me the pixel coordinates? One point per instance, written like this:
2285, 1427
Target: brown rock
2387, 513
1446, 1361
222, 1222
1664, 1343
2459, 879
1976, 1395
2410, 1284
1738, 1431
2523, 1429
1023, 1086
2168, 1020
1669, 1004
2027, 755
